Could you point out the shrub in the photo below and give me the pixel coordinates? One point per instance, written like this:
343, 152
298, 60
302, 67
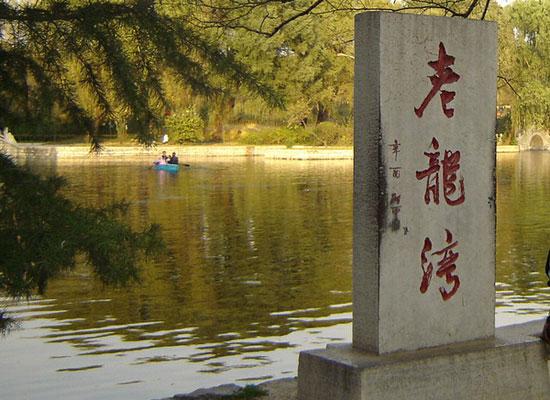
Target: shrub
185, 126
330, 134
277, 136
324, 134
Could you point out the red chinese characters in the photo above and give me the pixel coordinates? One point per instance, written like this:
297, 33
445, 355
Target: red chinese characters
443, 75
453, 190
448, 256
444, 183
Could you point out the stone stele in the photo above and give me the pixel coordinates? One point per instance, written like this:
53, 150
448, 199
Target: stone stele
424, 189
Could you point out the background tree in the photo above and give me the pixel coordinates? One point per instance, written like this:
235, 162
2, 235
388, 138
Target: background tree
309, 65
524, 33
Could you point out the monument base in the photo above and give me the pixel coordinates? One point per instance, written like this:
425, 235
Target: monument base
511, 366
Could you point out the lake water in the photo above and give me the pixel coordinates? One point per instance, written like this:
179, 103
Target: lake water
258, 269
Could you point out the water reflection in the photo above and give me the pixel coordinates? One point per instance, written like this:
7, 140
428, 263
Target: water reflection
259, 268
523, 232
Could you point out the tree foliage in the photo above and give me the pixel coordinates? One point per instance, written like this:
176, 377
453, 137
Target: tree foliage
308, 64
524, 54
307, 48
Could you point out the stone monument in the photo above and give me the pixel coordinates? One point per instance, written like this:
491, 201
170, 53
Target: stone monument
424, 220
424, 224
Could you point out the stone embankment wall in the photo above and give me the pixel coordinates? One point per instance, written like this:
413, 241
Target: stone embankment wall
24, 152
507, 149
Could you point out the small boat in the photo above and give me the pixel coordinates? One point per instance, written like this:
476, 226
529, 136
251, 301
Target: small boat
167, 167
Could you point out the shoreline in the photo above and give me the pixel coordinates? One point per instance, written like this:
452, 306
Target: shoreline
275, 389
34, 151
508, 337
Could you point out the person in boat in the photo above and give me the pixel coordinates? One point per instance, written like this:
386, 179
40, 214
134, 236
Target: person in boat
173, 159
163, 159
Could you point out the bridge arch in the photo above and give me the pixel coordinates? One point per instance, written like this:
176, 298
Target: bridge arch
534, 140
536, 143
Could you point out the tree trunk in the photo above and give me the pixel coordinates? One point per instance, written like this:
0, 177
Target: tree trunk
322, 113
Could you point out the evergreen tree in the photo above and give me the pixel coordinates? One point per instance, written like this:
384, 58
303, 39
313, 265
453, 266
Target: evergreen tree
309, 62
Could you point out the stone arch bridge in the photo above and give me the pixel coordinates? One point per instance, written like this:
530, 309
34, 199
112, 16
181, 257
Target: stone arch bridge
534, 140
